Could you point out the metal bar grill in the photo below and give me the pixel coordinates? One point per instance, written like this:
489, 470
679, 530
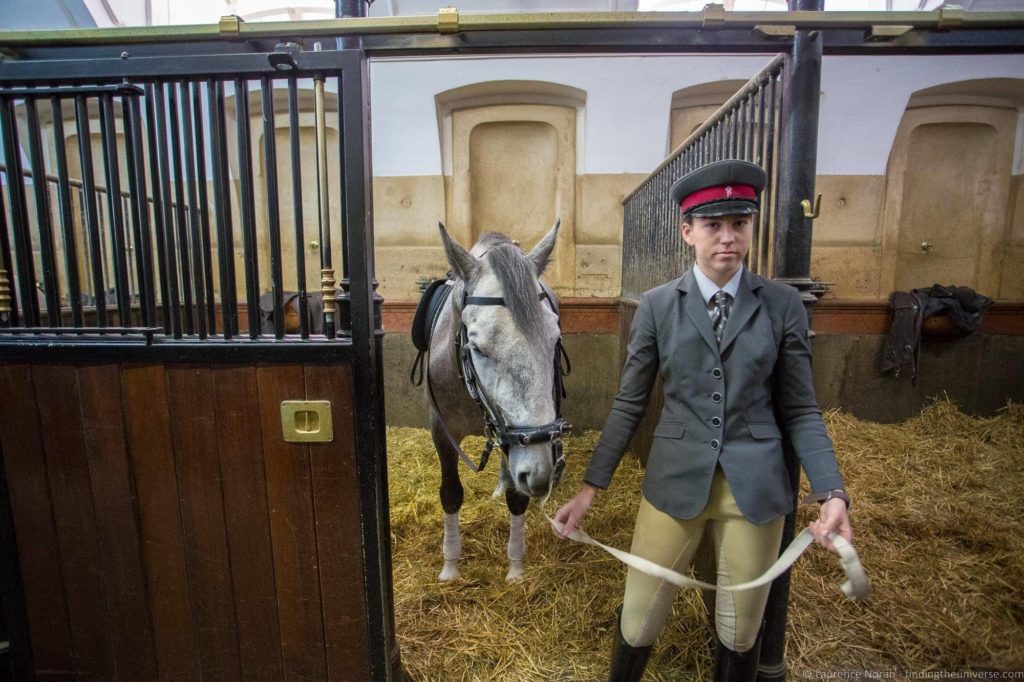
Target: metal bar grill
745, 127
152, 203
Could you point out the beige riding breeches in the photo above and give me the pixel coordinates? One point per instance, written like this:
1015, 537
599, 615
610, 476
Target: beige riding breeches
744, 550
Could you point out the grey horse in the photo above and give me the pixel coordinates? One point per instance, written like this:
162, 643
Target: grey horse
498, 317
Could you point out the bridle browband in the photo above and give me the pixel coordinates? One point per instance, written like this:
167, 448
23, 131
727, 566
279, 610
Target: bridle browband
496, 429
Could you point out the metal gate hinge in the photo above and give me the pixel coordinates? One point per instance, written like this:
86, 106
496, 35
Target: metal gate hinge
448, 20
230, 26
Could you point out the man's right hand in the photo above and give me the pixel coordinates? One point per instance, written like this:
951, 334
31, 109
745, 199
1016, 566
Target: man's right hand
570, 513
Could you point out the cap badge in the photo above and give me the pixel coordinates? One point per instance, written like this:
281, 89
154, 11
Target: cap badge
728, 190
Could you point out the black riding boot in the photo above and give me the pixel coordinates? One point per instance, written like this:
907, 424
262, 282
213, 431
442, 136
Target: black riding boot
732, 666
628, 662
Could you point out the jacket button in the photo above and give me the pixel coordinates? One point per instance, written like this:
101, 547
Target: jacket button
716, 421
716, 373
714, 443
716, 396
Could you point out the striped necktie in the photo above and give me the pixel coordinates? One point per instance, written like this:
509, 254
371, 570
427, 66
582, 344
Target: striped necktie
720, 315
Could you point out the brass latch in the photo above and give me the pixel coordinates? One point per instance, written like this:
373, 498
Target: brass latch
307, 421
230, 26
448, 20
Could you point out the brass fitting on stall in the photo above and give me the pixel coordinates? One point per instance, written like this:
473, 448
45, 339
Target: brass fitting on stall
329, 289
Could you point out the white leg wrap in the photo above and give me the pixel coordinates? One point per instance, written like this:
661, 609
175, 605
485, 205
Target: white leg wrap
516, 546
451, 548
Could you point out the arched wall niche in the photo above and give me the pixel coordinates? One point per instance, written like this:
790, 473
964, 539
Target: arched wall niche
693, 105
952, 203
285, 197
510, 156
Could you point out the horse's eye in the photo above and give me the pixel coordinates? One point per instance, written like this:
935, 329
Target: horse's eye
476, 351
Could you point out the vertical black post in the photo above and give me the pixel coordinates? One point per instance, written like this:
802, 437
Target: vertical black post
349, 8
300, 240
247, 202
41, 190
367, 357
273, 209
792, 263
118, 243
204, 210
140, 212
222, 208
156, 154
91, 209
26, 276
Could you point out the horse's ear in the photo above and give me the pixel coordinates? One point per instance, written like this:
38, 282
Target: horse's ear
542, 252
462, 262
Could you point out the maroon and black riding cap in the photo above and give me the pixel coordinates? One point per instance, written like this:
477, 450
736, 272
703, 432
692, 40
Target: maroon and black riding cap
729, 187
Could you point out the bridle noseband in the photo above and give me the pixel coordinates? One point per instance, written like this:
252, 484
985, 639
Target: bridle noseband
495, 428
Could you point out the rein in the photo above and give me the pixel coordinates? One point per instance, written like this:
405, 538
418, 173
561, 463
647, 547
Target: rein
856, 586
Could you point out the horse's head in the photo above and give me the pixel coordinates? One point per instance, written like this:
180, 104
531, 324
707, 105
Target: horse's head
509, 350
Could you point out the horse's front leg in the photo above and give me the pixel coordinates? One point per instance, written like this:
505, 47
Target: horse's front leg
451, 493
516, 533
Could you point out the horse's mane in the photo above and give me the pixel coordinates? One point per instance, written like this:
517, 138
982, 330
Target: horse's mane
518, 281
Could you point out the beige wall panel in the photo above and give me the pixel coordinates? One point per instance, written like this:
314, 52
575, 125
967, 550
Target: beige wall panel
599, 199
400, 269
514, 171
851, 206
1016, 233
514, 167
853, 271
407, 209
598, 270
685, 120
1011, 284
948, 187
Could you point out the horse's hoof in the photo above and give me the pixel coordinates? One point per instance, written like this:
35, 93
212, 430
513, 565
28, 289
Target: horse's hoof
515, 572
449, 572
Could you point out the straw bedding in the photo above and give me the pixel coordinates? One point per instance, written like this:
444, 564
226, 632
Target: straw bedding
938, 523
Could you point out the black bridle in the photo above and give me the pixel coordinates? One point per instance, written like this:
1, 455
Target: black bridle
496, 429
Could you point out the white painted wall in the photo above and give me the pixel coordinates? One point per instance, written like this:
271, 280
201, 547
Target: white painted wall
626, 119
863, 100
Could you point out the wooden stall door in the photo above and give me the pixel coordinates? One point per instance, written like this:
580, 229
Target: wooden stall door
166, 530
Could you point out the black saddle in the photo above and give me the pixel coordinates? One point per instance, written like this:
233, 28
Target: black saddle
423, 322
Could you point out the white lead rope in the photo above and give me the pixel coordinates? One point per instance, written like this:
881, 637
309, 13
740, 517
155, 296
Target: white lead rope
856, 586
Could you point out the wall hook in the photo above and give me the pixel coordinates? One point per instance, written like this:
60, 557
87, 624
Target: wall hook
806, 203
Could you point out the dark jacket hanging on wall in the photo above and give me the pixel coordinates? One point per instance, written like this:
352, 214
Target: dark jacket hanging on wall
962, 305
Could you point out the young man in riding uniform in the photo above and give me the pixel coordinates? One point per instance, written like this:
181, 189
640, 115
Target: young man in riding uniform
732, 350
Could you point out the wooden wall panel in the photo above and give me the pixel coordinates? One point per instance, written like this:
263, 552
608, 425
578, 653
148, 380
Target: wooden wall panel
67, 464
170, 533
292, 528
336, 501
113, 495
148, 429
34, 525
248, 521
190, 398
